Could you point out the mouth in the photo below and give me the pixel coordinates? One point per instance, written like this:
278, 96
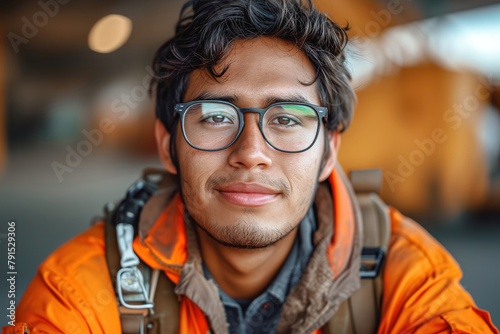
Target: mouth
248, 194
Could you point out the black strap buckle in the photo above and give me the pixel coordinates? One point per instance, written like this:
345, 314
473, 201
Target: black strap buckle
371, 261
129, 209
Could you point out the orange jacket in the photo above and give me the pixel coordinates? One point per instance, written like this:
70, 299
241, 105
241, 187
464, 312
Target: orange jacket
72, 291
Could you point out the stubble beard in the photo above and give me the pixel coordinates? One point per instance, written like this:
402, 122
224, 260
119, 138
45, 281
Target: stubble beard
245, 234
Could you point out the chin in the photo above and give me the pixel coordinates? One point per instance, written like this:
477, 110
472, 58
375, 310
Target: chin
245, 234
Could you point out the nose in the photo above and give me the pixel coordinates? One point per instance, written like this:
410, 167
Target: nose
250, 150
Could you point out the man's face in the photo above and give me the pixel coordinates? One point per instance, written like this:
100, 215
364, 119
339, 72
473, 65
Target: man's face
251, 195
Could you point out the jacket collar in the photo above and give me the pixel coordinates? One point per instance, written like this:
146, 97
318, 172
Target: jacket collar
161, 241
327, 280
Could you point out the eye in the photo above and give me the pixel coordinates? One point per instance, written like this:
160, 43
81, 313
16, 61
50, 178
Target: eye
285, 120
217, 119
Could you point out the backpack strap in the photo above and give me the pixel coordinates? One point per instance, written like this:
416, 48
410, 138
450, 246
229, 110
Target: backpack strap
137, 315
360, 313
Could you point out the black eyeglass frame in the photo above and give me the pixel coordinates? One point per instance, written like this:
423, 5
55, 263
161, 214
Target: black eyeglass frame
181, 108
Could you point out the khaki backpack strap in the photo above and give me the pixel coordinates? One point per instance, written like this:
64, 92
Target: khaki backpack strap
341, 322
165, 319
166, 312
111, 244
360, 314
132, 320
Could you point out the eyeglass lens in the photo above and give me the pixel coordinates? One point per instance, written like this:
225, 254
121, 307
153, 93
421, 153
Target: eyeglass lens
212, 126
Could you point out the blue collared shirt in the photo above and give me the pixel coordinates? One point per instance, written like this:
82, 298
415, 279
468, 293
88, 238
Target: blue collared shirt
261, 315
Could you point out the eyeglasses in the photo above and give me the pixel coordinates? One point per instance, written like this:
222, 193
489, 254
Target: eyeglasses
212, 125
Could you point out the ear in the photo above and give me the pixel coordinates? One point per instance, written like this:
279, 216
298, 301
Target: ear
334, 142
163, 144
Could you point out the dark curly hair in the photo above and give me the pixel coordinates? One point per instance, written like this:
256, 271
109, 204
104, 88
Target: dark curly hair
207, 28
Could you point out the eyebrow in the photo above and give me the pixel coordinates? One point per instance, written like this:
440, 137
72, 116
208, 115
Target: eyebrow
292, 98
212, 96
234, 99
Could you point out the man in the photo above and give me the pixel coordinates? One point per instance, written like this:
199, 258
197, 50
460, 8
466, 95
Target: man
260, 234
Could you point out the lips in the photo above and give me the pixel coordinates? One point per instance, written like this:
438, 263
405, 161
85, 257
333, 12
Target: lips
248, 194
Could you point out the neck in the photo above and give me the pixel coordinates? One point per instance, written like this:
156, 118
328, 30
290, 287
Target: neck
244, 273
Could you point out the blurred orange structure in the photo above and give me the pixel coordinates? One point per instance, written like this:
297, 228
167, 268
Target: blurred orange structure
367, 18
421, 127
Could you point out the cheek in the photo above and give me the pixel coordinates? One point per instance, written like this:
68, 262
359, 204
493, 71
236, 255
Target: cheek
196, 168
303, 176
306, 168
192, 174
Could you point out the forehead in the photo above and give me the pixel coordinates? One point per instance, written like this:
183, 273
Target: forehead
259, 69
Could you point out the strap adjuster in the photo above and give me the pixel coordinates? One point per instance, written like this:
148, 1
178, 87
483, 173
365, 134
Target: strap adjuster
371, 261
131, 280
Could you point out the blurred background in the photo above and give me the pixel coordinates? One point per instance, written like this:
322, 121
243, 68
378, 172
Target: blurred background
76, 123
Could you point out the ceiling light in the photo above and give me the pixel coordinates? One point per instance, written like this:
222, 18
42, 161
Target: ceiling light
110, 33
